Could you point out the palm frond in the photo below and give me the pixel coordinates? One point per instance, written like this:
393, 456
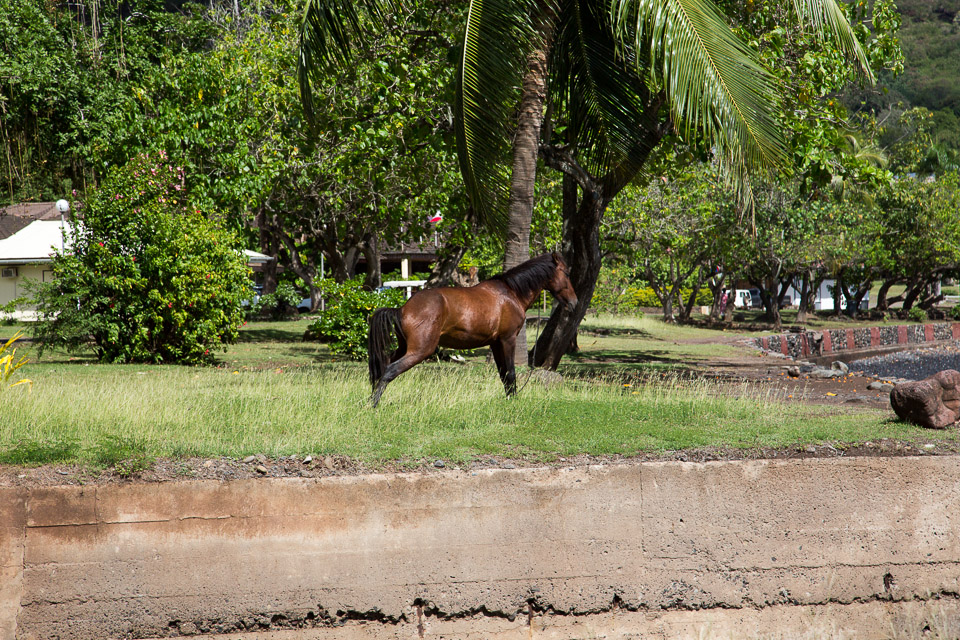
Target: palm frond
609, 106
828, 21
714, 83
327, 32
499, 34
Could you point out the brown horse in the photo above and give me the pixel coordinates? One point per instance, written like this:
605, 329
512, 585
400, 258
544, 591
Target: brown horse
491, 313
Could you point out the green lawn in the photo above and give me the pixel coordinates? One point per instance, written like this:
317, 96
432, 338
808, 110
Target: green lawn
276, 395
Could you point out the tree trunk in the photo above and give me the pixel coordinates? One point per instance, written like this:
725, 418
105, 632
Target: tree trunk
581, 250
687, 311
913, 292
269, 245
837, 294
524, 176
446, 267
882, 303
716, 286
803, 309
371, 252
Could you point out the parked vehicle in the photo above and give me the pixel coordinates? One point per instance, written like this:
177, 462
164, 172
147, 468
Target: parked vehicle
747, 299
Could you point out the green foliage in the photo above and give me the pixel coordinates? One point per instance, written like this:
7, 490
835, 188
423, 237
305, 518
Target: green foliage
148, 278
345, 321
276, 303
127, 455
917, 314
65, 79
955, 312
645, 297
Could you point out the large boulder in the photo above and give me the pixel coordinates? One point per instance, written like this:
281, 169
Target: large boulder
933, 402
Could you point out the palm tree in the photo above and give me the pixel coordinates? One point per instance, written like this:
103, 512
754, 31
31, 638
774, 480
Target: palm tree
618, 75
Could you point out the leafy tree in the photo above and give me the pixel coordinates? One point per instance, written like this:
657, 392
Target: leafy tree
917, 236
678, 233
375, 164
66, 70
147, 277
610, 68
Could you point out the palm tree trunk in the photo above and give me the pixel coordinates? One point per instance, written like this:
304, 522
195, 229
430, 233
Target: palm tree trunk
524, 177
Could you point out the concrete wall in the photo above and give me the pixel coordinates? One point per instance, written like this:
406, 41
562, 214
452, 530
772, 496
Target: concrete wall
645, 550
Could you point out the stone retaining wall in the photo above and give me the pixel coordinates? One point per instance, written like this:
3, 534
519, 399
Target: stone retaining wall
813, 344
756, 548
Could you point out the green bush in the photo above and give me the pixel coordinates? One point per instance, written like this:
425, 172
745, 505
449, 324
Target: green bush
917, 314
645, 297
345, 321
276, 303
955, 312
148, 278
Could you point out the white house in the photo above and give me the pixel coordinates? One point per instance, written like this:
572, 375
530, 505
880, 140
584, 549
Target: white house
30, 234
823, 298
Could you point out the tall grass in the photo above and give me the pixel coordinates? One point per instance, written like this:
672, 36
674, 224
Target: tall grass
436, 410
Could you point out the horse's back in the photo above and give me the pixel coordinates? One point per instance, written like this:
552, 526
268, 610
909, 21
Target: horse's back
461, 317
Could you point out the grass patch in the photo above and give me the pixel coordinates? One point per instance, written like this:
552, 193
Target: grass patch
276, 395
112, 415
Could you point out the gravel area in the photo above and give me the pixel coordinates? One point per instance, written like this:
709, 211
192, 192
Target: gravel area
911, 365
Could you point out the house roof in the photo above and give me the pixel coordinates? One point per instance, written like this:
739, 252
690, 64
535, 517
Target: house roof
40, 239
17, 216
34, 243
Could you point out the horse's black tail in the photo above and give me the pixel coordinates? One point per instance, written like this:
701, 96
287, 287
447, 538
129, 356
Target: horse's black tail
383, 323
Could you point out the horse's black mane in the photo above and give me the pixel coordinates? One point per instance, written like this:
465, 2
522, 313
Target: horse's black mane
530, 276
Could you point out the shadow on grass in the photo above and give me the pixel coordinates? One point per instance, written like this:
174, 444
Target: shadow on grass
618, 332
273, 334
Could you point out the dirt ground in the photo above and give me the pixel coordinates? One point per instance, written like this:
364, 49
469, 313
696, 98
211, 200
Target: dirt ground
761, 373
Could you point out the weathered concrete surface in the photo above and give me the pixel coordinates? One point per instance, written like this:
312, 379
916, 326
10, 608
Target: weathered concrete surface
490, 553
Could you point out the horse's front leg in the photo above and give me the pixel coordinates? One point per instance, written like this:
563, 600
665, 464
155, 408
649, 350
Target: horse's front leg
503, 355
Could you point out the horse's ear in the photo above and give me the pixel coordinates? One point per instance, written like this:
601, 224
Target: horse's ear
558, 259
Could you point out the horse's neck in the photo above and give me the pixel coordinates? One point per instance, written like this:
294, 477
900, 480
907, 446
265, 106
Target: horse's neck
527, 302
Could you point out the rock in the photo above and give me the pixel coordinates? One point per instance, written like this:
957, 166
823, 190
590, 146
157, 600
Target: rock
933, 402
439, 464
876, 385
329, 463
308, 460
248, 459
839, 366
509, 465
793, 372
826, 373
260, 469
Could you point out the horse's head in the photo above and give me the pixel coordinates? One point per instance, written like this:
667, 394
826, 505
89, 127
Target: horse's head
560, 285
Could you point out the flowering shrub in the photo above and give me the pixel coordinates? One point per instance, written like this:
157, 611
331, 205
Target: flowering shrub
345, 321
147, 277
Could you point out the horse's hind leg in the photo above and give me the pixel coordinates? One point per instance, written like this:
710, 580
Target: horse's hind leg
408, 361
503, 356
